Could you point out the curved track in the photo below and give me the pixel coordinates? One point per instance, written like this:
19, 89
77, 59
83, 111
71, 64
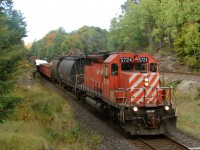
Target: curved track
181, 73
161, 142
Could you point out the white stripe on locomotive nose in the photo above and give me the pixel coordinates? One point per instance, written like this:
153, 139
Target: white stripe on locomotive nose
151, 76
132, 77
153, 84
138, 92
136, 83
150, 89
141, 89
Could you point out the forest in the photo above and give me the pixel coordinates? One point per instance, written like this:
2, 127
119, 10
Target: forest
12, 51
146, 25
12, 31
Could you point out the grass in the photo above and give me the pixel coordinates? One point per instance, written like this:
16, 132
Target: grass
42, 120
188, 110
21, 136
188, 114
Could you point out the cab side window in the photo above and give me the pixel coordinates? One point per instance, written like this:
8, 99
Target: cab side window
114, 69
106, 71
153, 67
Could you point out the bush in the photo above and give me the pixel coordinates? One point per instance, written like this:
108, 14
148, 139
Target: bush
198, 93
8, 105
5, 87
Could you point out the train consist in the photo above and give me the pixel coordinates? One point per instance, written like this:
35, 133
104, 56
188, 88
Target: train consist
124, 86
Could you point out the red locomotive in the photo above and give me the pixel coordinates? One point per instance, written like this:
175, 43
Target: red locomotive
124, 86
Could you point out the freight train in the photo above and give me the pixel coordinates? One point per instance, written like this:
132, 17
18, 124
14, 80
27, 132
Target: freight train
122, 85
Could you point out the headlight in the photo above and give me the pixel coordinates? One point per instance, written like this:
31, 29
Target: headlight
167, 108
146, 79
146, 84
135, 108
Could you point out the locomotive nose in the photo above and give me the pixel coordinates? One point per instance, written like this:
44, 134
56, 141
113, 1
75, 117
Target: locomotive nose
144, 88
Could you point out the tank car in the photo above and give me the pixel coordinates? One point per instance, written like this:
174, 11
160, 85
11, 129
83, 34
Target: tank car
127, 87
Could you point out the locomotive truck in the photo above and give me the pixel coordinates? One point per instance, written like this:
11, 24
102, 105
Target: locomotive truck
122, 85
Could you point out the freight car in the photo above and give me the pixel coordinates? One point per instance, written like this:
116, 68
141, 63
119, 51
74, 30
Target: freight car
124, 86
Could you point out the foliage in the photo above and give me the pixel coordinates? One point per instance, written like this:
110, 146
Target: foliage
92, 38
154, 24
188, 45
36, 117
146, 25
198, 94
8, 105
58, 42
5, 87
12, 30
175, 83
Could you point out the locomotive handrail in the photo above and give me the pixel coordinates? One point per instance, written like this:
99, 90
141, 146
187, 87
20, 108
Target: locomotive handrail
170, 88
89, 85
145, 93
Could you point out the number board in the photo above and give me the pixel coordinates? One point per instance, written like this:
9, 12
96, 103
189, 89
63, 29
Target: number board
143, 59
126, 59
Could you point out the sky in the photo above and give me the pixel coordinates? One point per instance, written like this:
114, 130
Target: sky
43, 16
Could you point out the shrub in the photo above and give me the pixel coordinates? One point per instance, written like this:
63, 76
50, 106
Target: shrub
198, 93
8, 105
5, 87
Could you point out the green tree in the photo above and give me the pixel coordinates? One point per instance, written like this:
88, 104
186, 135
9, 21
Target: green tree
58, 42
159, 24
92, 38
113, 40
188, 45
12, 31
187, 40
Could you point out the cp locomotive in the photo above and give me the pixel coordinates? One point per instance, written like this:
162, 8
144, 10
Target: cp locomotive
123, 85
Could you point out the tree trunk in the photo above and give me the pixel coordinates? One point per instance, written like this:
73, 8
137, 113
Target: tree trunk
169, 41
150, 38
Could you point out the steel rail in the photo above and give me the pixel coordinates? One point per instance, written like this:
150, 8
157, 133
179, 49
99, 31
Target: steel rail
158, 143
180, 73
178, 143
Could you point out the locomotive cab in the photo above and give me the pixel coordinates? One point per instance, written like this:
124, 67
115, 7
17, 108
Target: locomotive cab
121, 72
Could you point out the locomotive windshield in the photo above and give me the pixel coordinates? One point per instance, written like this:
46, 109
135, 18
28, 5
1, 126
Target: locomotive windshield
134, 67
139, 67
127, 66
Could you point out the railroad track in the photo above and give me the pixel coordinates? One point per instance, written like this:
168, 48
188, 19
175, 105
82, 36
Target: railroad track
161, 142
181, 73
